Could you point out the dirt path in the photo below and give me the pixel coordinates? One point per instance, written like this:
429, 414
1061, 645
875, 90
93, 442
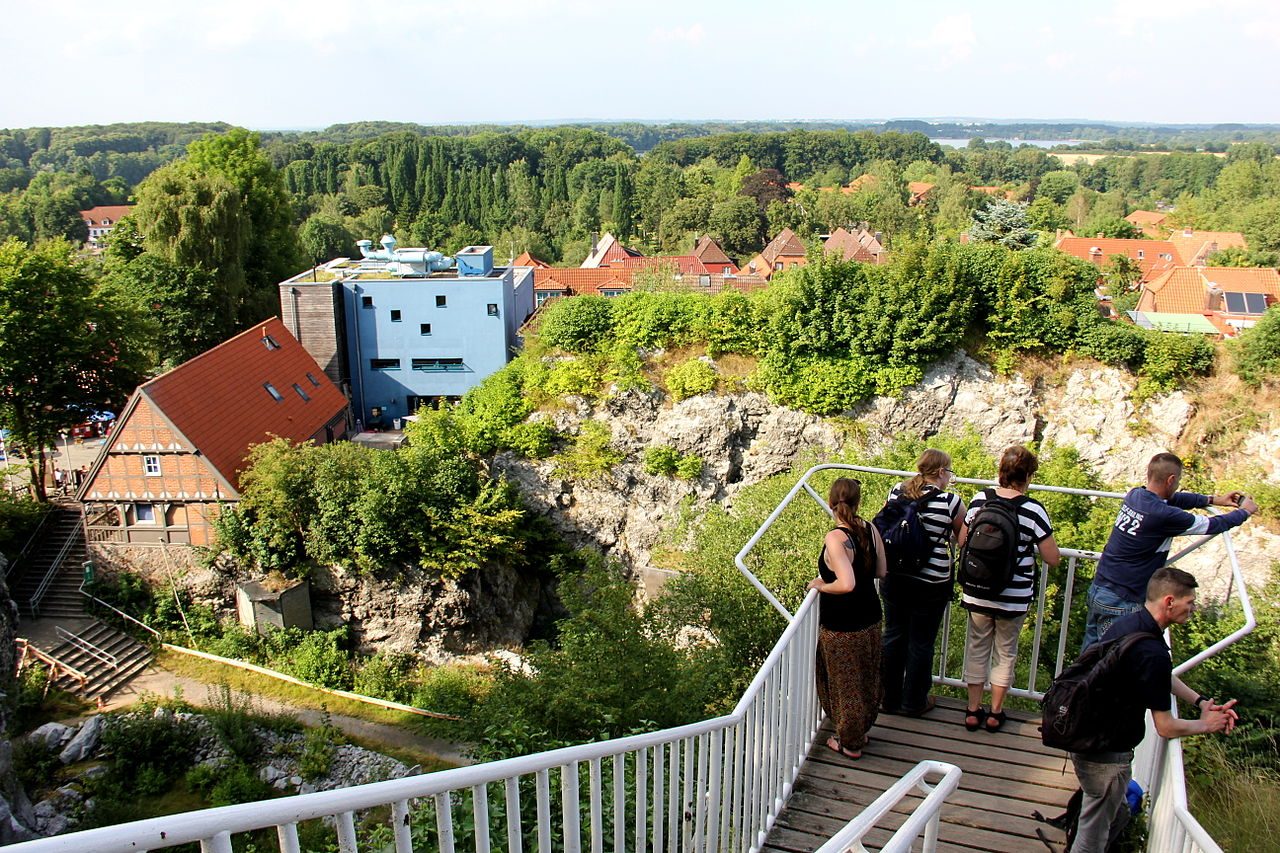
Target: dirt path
162, 682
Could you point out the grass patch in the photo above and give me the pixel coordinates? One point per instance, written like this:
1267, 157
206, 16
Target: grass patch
298, 696
1238, 806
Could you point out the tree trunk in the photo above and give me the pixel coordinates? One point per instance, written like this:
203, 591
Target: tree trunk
37, 474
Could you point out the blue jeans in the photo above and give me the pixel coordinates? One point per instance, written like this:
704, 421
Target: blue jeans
1104, 811
911, 623
1105, 606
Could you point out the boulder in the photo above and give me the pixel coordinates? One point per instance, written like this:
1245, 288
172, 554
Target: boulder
54, 735
85, 742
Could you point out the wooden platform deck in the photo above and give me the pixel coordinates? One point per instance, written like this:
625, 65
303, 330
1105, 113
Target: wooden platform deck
1007, 775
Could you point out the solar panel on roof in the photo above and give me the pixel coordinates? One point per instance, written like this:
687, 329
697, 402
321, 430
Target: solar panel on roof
1235, 302
1255, 303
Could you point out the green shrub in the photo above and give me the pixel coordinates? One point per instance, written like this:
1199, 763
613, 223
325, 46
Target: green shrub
1170, 358
690, 378
820, 385
319, 746
239, 784
591, 455
532, 439
575, 376
19, 516
488, 411
36, 766
320, 659
661, 460
648, 320
232, 719
452, 689
892, 380
1257, 354
626, 369
577, 324
149, 748
384, 676
689, 467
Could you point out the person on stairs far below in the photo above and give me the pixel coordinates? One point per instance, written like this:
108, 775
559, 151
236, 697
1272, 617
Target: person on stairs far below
1149, 518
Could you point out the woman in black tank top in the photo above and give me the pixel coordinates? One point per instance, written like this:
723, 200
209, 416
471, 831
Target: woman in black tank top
848, 659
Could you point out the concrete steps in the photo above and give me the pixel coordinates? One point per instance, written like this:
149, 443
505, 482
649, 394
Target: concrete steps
62, 599
104, 675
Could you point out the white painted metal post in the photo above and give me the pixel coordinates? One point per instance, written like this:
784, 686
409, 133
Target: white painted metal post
347, 833
480, 811
399, 827
619, 803
642, 804
515, 833
570, 808
595, 808
444, 822
220, 843
659, 776
542, 782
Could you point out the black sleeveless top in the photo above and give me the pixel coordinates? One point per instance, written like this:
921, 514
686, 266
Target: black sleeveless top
856, 610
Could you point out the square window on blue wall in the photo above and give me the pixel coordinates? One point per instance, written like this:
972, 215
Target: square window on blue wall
395, 315
424, 328
441, 301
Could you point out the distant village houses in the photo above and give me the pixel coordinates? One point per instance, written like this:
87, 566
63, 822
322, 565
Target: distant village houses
101, 220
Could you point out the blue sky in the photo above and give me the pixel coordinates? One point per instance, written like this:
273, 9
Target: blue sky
310, 63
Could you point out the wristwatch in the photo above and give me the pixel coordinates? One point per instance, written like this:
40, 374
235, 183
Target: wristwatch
1202, 698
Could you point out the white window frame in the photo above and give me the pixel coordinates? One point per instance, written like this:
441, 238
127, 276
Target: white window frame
151, 465
137, 514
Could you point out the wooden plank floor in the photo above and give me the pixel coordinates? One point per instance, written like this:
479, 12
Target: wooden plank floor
1007, 775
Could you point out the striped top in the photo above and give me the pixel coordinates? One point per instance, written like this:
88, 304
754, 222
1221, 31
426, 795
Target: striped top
1034, 526
937, 516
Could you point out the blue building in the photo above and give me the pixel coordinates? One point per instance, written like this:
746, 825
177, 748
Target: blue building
400, 328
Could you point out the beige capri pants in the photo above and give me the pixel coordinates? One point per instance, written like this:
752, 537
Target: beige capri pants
991, 648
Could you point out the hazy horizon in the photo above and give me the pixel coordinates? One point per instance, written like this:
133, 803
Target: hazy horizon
290, 64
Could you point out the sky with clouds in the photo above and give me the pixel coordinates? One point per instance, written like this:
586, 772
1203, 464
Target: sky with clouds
311, 63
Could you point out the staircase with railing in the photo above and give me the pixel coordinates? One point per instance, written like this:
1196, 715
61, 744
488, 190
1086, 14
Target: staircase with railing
45, 580
715, 785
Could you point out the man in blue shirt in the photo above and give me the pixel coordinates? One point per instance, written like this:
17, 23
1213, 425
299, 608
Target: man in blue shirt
1139, 544
1142, 682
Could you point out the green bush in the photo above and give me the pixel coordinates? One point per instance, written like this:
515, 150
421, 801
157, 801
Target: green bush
591, 454
690, 378
661, 460
319, 746
663, 320
1257, 353
577, 324
36, 766
821, 385
575, 376
384, 676
320, 659
1170, 358
149, 748
19, 516
689, 467
532, 439
450, 689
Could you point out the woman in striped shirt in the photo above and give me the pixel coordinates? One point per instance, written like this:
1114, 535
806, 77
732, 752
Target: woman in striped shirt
916, 599
995, 620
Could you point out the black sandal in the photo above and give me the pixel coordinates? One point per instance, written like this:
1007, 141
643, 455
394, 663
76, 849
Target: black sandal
999, 717
979, 715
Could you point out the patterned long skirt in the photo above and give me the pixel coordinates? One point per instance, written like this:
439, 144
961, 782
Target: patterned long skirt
848, 680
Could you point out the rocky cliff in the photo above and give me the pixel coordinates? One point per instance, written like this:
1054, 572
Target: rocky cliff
744, 438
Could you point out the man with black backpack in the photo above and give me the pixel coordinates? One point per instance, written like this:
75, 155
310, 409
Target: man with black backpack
1130, 675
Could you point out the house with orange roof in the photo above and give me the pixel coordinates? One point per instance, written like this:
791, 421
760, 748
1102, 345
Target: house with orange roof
616, 280
179, 447
1149, 222
861, 244
100, 220
1153, 256
784, 252
1230, 298
920, 191
607, 250
713, 257
528, 260
865, 181
1195, 247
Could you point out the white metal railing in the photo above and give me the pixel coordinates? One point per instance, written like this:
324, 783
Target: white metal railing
709, 786
101, 655
714, 785
117, 610
924, 819
49, 576
32, 541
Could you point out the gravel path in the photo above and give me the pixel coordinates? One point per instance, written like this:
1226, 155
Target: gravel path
162, 682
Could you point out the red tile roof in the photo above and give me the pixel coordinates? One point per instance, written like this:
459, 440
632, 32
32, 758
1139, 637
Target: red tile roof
919, 190
1154, 256
1194, 247
1185, 290
1146, 217
112, 212
785, 245
861, 245
709, 252
608, 251
219, 402
591, 282
528, 260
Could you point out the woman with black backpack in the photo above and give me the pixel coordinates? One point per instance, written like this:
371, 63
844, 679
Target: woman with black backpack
1003, 529
917, 590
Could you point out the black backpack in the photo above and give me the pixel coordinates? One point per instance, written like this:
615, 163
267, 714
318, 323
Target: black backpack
907, 545
989, 558
1079, 715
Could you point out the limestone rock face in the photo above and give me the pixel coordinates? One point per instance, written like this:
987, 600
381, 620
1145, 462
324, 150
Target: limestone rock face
414, 612
1092, 412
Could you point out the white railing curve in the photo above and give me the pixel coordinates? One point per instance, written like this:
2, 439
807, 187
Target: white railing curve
716, 785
